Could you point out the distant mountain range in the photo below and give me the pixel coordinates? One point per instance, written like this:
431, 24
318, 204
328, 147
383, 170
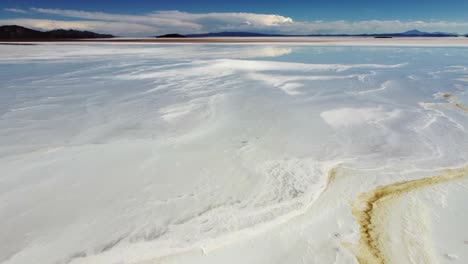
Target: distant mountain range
18, 32
417, 33
13, 32
411, 33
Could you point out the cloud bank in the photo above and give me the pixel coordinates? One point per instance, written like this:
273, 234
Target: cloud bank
15, 10
162, 22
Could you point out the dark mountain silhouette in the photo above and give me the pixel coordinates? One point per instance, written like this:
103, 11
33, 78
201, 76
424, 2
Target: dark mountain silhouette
172, 36
62, 33
18, 32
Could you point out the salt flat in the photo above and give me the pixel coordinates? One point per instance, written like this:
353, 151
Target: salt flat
313, 41
233, 153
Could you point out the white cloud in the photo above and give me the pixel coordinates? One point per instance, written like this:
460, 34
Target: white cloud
15, 10
161, 22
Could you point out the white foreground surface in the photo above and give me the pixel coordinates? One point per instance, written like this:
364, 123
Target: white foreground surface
114, 153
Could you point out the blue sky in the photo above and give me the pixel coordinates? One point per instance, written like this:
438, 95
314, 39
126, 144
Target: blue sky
145, 17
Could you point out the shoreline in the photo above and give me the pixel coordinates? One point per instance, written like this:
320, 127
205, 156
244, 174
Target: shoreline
352, 41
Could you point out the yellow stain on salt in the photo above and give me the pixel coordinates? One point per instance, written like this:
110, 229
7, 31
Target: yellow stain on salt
332, 174
368, 210
455, 101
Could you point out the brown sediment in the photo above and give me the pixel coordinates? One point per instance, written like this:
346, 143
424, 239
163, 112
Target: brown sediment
462, 107
366, 210
455, 101
331, 177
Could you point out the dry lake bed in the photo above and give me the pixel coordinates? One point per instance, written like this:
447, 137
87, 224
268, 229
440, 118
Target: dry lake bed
342, 151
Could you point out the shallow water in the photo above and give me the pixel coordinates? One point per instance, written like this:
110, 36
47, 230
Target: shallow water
115, 153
